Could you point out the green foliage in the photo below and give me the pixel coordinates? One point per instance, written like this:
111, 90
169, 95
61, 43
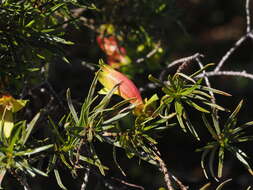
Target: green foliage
17, 155
226, 138
181, 90
31, 35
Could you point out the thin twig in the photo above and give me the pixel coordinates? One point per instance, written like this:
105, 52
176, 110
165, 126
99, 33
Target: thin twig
181, 185
127, 183
248, 20
78, 152
165, 171
183, 60
116, 162
228, 73
240, 41
150, 54
22, 180
163, 167
86, 178
230, 52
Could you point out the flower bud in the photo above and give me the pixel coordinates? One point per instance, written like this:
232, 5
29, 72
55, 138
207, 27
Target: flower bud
109, 77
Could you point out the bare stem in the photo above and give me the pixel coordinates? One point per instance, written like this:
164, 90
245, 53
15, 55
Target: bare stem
228, 73
22, 180
184, 61
165, 173
86, 178
128, 184
241, 40
181, 185
230, 52
248, 20
150, 54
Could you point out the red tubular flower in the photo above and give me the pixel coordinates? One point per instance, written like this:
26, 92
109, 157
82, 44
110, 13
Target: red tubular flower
108, 44
116, 55
109, 77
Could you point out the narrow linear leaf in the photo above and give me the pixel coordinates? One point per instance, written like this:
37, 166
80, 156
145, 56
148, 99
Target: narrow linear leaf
29, 128
202, 69
240, 155
54, 8
233, 115
196, 106
202, 93
242, 127
71, 107
214, 91
186, 77
209, 127
179, 111
215, 106
222, 184
115, 118
104, 102
155, 80
189, 90
35, 150
116, 162
93, 87
39, 172
97, 160
216, 122
191, 128
220, 161
211, 163
206, 186
202, 162
58, 179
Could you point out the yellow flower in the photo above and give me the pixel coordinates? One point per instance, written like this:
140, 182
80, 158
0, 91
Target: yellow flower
9, 105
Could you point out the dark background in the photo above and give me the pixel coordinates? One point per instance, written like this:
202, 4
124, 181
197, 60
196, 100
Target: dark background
209, 27
184, 28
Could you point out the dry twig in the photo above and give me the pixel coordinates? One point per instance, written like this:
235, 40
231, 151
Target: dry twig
228, 73
240, 41
183, 61
150, 54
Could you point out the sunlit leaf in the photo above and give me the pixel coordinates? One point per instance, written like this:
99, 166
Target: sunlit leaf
29, 128
58, 179
201, 70
179, 111
240, 155
220, 161
186, 77
206, 186
223, 183
211, 162
71, 107
209, 127
232, 117
196, 106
